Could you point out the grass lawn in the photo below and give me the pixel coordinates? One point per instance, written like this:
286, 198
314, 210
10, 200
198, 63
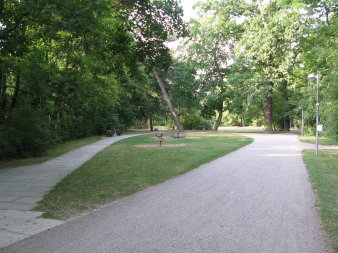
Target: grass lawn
136, 131
321, 140
53, 152
323, 172
241, 129
125, 167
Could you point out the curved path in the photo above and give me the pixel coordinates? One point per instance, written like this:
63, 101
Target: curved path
257, 199
22, 187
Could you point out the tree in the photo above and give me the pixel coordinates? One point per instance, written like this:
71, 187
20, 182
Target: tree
319, 55
73, 68
271, 43
152, 22
211, 51
183, 87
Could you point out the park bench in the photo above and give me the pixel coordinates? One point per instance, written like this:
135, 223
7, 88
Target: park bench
113, 132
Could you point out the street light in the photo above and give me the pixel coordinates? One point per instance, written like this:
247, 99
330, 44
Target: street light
302, 127
314, 77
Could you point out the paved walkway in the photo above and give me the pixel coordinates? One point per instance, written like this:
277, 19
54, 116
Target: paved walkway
22, 187
256, 199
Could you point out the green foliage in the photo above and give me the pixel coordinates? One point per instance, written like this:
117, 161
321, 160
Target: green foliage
320, 56
210, 51
330, 110
26, 133
70, 69
252, 60
246, 104
196, 122
75, 66
152, 24
184, 87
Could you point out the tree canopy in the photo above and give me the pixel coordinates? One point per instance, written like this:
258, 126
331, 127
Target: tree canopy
70, 69
75, 68
254, 58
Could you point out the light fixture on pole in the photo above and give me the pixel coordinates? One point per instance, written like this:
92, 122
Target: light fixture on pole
316, 77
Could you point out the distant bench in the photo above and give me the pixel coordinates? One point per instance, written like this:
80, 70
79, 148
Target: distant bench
113, 132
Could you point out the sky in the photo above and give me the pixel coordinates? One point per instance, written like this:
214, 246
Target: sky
187, 8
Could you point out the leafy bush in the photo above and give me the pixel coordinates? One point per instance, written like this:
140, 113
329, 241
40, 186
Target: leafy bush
195, 122
26, 132
329, 111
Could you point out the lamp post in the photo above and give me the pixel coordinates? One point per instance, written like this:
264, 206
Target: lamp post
302, 127
313, 77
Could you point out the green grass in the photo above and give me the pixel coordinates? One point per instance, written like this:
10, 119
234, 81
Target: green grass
53, 152
136, 131
323, 172
124, 168
241, 129
321, 140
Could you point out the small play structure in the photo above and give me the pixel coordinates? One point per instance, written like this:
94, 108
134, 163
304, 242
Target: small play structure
178, 134
160, 138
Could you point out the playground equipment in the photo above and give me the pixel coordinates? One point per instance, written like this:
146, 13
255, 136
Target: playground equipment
160, 138
178, 134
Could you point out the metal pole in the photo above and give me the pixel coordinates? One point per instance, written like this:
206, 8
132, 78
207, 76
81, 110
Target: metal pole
302, 129
317, 114
317, 109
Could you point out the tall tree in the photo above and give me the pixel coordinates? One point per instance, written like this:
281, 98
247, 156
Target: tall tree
271, 42
152, 22
319, 55
211, 50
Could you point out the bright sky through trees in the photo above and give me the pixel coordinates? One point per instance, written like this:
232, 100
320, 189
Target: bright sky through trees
187, 7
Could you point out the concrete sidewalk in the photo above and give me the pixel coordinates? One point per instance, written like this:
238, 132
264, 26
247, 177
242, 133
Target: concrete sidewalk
22, 187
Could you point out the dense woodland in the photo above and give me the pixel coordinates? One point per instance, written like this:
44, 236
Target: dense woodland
74, 68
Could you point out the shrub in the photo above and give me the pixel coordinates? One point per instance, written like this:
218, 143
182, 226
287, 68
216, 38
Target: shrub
26, 132
329, 112
195, 122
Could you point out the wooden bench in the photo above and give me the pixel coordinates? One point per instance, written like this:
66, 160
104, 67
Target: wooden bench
113, 132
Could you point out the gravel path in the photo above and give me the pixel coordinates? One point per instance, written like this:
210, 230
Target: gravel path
257, 199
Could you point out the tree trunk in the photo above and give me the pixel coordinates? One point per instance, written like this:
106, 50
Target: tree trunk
3, 91
167, 100
268, 112
16, 90
151, 122
218, 121
285, 99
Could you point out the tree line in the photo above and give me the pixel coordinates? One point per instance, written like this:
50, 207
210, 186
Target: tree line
251, 60
70, 69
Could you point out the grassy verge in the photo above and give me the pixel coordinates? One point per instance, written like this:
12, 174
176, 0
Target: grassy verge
136, 131
321, 140
51, 153
323, 172
241, 129
124, 168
